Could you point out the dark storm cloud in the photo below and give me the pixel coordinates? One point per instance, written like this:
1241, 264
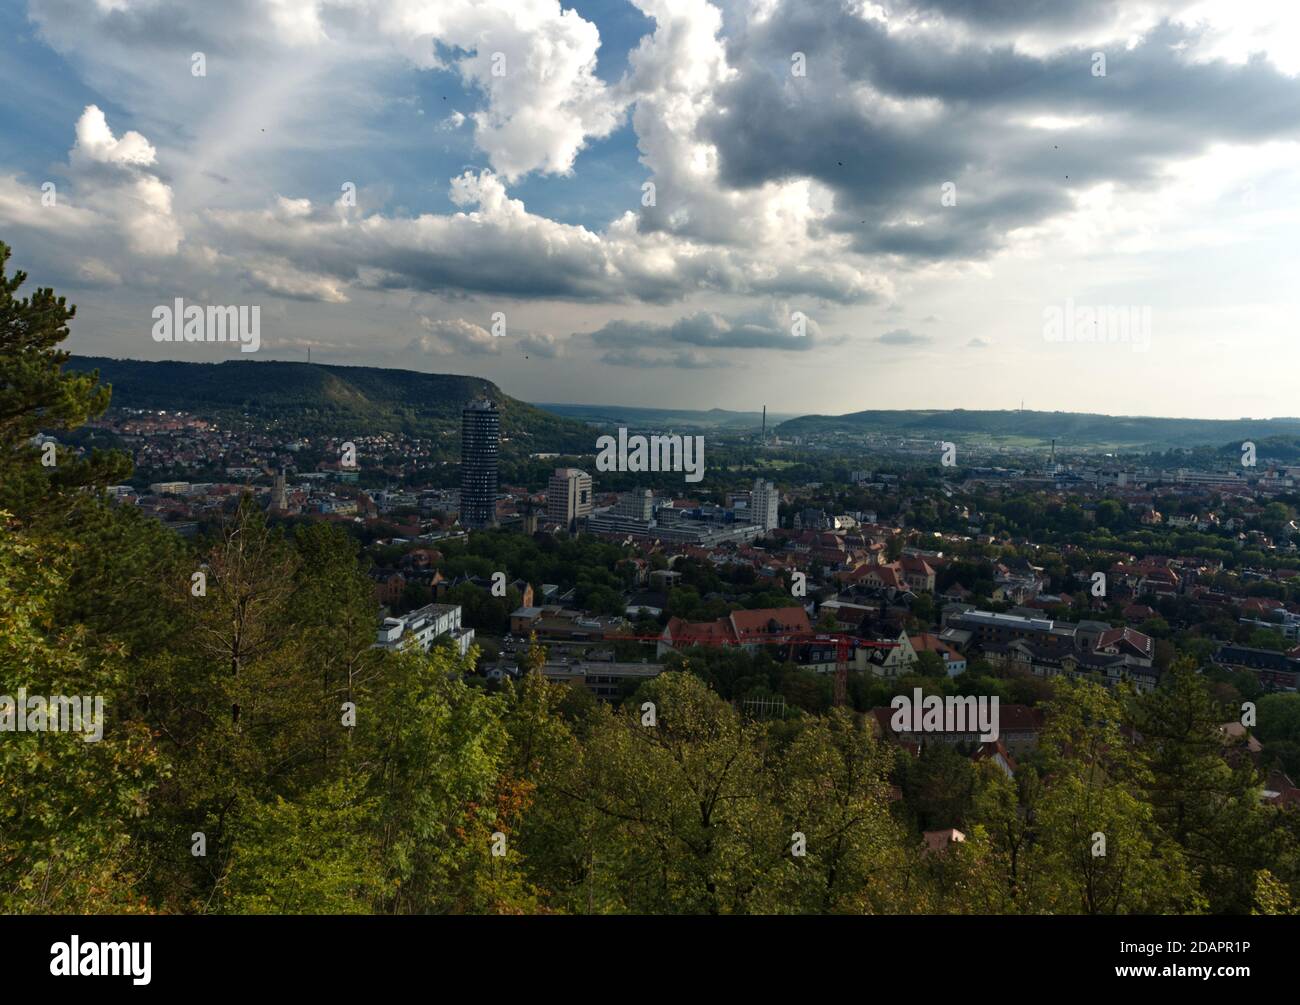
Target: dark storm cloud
1018, 13
641, 343
886, 163
1037, 15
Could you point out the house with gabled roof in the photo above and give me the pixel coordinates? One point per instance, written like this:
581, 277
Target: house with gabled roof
1135, 647
742, 628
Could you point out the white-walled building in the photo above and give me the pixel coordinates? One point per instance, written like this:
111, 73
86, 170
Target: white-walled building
423, 628
763, 501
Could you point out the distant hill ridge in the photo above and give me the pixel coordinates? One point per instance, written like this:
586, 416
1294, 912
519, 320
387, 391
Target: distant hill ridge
628, 415
1068, 428
335, 400
339, 400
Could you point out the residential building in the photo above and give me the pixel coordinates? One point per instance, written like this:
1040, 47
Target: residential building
1061, 658
953, 661
389, 585
893, 661
763, 504
748, 629
1276, 671
424, 627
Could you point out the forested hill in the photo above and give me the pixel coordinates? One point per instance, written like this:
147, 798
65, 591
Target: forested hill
342, 400
1080, 429
337, 400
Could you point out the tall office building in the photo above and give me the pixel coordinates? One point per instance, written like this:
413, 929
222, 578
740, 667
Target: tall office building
480, 438
568, 497
763, 501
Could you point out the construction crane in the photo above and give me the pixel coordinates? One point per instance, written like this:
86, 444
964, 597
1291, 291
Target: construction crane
843, 643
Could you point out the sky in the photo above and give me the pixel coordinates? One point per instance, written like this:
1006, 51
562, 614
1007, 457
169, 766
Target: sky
821, 206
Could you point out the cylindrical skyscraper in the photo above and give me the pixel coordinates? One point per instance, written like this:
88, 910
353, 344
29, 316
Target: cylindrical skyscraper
480, 438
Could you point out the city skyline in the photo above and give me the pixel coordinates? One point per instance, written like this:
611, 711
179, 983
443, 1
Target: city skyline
821, 207
649, 458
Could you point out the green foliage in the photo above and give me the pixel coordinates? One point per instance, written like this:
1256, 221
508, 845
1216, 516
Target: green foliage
68, 806
326, 776
38, 394
1204, 801
313, 856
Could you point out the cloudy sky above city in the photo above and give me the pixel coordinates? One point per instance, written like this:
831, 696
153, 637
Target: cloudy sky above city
650, 190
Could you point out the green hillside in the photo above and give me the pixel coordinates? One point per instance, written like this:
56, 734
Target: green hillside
334, 400
1069, 429
356, 400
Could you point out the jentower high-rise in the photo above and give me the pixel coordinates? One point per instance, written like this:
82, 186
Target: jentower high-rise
480, 440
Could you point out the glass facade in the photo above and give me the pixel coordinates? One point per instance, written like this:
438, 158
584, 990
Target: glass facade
480, 442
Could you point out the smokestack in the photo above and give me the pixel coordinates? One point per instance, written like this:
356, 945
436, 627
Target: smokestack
764, 425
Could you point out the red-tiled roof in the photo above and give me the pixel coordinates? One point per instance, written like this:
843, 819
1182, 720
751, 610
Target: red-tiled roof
769, 619
916, 565
932, 643
738, 626
1143, 644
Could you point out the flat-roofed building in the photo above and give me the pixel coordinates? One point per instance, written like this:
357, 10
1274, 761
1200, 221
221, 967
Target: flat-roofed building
992, 627
608, 681
424, 627
763, 504
568, 497
554, 622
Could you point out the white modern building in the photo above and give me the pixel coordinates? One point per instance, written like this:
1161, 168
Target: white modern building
763, 501
423, 628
